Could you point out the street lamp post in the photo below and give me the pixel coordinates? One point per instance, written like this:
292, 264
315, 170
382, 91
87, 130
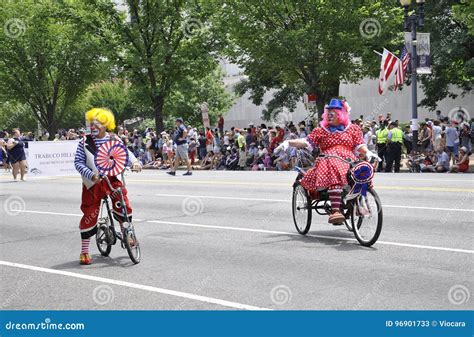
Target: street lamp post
412, 22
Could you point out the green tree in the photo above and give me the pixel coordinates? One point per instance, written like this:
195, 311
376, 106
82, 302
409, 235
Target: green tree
49, 53
115, 95
187, 96
451, 24
307, 46
164, 44
16, 115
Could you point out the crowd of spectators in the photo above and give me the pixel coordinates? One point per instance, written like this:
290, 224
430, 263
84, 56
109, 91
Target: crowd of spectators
443, 145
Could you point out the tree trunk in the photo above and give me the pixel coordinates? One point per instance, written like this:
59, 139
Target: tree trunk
158, 104
52, 130
52, 123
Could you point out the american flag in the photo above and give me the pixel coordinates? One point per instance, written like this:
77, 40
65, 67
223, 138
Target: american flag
400, 75
390, 64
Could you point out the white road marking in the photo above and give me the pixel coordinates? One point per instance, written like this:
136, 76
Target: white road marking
217, 197
310, 235
56, 213
289, 201
199, 298
399, 244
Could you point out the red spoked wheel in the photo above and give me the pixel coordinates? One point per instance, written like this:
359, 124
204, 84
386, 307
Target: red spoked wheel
111, 158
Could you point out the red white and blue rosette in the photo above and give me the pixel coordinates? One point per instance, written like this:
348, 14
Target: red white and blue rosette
362, 173
111, 158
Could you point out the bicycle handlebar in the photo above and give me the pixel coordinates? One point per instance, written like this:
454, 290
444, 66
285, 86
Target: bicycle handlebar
348, 161
106, 178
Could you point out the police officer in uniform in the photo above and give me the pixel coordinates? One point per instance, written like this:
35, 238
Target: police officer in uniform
394, 147
381, 138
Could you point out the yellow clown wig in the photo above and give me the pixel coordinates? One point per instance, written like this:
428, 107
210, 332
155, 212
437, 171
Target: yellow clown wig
103, 116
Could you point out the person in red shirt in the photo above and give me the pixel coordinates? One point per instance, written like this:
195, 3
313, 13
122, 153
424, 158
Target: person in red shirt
220, 125
280, 133
209, 140
273, 141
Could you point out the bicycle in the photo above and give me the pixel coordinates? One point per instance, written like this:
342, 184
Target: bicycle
363, 214
107, 236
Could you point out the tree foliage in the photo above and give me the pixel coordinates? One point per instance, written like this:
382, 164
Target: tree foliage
306, 46
115, 95
164, 44
49, 54
452, 49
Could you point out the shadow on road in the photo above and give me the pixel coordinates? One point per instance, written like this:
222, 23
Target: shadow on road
342, 244
98, 262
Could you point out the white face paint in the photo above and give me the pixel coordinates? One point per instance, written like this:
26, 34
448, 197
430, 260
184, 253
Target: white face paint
332, 118
95, 132
95, 128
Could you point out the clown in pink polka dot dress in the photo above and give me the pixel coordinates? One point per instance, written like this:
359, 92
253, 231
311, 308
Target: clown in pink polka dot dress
335, 136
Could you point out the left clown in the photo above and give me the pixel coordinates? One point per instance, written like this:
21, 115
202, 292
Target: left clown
98, 120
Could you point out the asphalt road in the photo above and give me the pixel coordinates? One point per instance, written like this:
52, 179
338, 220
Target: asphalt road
226, 240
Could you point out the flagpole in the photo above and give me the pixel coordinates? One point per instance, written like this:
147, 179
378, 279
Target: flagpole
376, 52
411, 22
414, 90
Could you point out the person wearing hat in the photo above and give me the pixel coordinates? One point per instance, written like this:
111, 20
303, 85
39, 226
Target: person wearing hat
93, 188
368, 139
252, 153
181, 148
394, 147
463, 161
335, 136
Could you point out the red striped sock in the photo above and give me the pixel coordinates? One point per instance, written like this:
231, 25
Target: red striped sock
85, 246
335, 198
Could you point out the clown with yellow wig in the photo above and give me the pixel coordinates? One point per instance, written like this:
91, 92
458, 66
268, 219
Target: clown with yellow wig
99, 120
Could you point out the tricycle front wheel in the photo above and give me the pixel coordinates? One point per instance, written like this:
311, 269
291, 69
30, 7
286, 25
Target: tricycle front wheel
302, 211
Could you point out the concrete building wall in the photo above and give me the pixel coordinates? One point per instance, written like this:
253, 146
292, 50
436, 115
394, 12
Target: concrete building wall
365, 100
244, 111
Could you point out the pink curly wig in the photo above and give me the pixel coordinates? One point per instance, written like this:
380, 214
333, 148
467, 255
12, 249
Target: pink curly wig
342, 115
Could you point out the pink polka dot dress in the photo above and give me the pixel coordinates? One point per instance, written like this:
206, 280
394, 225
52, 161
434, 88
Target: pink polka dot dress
330, 173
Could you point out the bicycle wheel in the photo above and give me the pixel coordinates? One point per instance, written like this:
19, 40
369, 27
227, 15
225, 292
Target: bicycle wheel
103, 239
369, 214
302, 211
132, 245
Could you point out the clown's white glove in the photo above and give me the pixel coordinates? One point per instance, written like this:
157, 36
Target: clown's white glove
369, 155
283, 146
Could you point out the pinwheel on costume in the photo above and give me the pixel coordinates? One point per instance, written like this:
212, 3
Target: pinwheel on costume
362, 173
111, 158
